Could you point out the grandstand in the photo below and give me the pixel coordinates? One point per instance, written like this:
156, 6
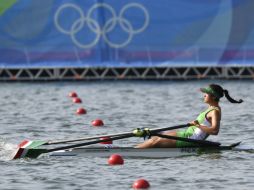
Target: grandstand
119, 40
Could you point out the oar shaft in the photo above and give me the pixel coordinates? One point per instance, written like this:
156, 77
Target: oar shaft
156, 130
200, 142
87, 138
89, 143
124, 135
114, 135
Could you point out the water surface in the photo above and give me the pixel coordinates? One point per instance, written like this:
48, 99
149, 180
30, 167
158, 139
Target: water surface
44, 111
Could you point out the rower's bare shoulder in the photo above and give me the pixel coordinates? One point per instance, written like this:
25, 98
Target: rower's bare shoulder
215, 113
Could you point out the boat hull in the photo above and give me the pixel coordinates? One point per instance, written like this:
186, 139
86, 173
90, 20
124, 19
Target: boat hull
140, 153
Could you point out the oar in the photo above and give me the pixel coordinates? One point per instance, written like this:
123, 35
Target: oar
101, 136
34, 153
199, 142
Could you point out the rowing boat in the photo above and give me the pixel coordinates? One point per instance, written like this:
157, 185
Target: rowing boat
141, 153
33, 149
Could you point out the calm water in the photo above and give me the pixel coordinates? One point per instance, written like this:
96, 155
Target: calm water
44, 111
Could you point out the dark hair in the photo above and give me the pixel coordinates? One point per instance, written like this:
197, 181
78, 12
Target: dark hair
221, 92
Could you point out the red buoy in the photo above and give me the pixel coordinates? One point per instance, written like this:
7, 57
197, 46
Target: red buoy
107, 142
76, 100
115, 159
141, 184
97, 123
73, 94
81, 111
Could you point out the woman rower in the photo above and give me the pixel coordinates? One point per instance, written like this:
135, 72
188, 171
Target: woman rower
207, 123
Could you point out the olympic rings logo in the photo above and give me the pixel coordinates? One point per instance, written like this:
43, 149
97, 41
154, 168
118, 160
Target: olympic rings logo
94, 26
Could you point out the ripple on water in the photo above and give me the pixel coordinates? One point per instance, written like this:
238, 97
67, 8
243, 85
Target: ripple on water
123, 106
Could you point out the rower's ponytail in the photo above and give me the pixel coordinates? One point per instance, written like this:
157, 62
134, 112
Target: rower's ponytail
219, 92
230, 99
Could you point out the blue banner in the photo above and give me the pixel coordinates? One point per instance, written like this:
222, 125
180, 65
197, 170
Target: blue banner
130, 33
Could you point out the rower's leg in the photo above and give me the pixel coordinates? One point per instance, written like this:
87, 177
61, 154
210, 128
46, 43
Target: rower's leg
148, 143
158, 142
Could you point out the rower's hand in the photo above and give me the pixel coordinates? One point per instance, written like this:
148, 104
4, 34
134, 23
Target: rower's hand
141, 132
195, 123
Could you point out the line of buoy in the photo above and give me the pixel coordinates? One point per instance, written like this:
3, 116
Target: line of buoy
114, 159
81, 111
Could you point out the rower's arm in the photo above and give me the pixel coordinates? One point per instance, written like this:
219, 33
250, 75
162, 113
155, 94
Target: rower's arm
215, 124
